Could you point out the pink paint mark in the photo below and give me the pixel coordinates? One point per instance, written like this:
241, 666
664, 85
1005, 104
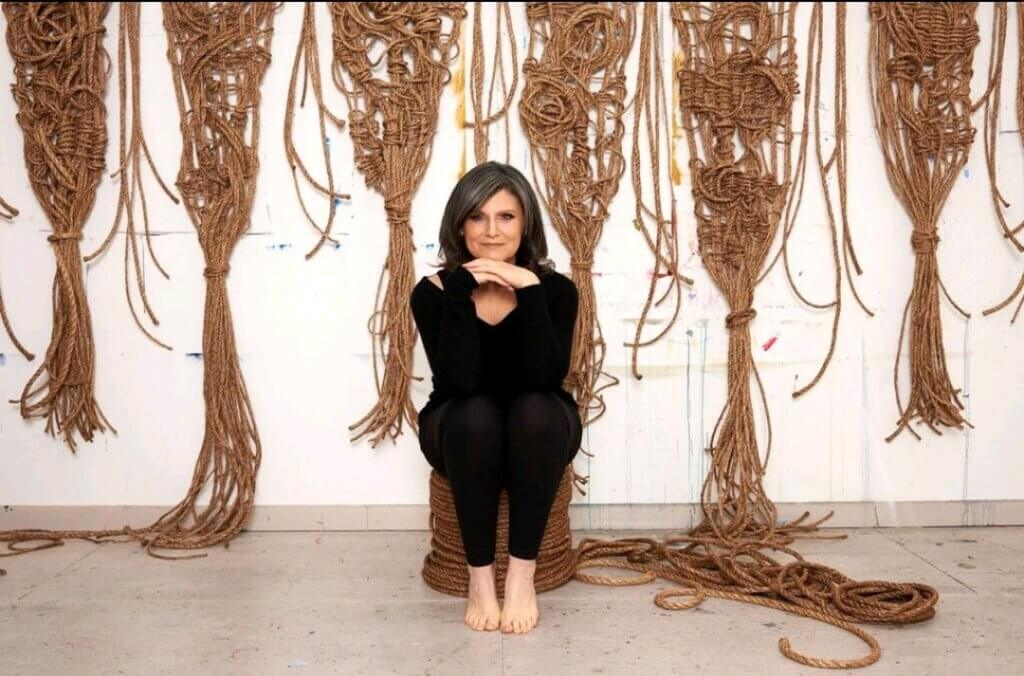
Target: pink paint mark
768, 345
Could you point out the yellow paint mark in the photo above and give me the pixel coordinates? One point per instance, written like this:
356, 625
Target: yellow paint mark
677, 130
459, 85
677, 173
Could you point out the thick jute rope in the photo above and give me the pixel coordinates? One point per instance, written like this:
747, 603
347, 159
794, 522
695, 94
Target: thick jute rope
8, 212
444, 568
574, 97
737, 84
482, 121
737, 100
307, 53
129, 171
651, 105
208, 46
920, 68
991, 133
708, 567
60, 71
392, 123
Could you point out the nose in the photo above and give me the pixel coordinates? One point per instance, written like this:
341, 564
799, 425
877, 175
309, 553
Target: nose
492, 227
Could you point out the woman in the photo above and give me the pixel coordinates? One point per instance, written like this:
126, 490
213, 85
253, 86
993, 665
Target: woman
497, 324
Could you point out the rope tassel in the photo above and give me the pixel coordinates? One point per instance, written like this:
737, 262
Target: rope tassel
920, 58
60, 82
392, 124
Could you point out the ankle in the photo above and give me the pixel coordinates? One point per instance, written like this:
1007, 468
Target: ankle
523, 568
481, 574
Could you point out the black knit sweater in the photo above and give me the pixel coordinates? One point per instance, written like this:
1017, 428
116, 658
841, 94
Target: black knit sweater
526, 351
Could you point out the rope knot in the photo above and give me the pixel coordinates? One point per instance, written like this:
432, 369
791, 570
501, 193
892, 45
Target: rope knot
213, 271
735, 320
64, 237
582, 264
924, 242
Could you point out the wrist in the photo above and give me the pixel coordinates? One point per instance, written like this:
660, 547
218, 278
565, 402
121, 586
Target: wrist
460, 280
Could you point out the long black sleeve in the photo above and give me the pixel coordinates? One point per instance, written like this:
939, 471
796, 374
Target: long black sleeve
446, 321
543, 328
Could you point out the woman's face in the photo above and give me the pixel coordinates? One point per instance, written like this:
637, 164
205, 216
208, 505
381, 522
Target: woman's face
495, 229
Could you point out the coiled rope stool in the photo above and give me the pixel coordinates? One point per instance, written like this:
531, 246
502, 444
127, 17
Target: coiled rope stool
444, 568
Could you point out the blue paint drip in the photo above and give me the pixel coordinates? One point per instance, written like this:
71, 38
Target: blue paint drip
689, 418
198, 356
336, 245
336, 202
279, 247
429, 245
3, 359
967, 172
703, 377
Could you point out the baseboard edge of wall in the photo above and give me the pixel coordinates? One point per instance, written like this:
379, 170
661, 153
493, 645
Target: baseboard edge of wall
591, 517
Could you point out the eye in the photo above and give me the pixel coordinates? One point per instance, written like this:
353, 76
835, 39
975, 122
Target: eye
507, 217
475, 217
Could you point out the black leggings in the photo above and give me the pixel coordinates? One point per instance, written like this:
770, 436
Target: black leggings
483, 443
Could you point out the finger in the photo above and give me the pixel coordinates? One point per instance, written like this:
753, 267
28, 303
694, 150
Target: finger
500, 278
490, 277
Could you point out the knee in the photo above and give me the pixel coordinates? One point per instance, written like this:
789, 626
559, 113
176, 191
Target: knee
536, 417
475, 421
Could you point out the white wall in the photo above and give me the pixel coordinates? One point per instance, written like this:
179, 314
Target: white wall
306, 353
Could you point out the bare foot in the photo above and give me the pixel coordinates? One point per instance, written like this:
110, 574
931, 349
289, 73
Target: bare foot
520, 613
482, 611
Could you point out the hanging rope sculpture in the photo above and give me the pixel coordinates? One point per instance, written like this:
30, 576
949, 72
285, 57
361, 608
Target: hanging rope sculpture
209, 47
738, 104
572, 104
482, 121
307, 50
392, 123
737, 85
60, 70
920, 66
843, 253
129, 172
651, 105
991, 133
8, 212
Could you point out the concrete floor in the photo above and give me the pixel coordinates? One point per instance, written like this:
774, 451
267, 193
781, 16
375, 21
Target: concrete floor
354, 603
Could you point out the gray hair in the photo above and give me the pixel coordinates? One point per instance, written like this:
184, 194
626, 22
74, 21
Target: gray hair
477, 186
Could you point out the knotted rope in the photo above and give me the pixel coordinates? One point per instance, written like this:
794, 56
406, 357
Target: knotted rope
392, 123
650, 103
209, 46
129, 172
737, 84
920, 67
571, 108
60, 70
